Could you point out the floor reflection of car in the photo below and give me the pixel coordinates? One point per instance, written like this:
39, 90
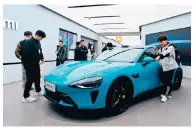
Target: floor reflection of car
110, 81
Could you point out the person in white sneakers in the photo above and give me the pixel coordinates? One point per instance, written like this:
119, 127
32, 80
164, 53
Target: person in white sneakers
166, 56
32, 58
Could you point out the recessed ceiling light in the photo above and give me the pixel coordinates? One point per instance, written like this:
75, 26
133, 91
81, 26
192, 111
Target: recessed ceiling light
94, 5
101, 17
107, 23
113, 28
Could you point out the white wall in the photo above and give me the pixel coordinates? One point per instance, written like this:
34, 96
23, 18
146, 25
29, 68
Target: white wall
177, 22
39, 18
181, 21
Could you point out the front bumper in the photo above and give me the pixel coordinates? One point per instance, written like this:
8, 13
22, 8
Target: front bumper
59, 98
77, 98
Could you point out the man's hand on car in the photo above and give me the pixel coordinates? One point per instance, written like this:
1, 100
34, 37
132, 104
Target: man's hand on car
158, 58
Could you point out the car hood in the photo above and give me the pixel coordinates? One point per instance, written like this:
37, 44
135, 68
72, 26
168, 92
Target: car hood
77, 70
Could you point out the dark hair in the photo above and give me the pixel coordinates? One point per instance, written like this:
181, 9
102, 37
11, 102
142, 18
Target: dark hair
28, 33
161, 38
109, 44
41, 33
78, 43
81, 40
61, 41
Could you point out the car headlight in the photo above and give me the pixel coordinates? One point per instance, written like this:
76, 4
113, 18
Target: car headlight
93, 82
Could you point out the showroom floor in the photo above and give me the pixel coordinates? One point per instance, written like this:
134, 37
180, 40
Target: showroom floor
151, 112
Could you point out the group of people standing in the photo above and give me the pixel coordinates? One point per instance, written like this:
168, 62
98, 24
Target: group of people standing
80, 52
29, 51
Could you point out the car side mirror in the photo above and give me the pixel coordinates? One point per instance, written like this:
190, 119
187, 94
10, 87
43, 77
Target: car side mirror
147, 60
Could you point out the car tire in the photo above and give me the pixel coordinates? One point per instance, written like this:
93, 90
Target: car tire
177, 79
119, 96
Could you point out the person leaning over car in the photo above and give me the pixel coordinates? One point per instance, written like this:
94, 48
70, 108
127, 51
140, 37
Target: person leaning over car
109, 46
18, 53
61, 53
166, 55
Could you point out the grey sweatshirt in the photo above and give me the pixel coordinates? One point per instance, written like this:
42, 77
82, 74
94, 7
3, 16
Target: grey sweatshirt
167, 58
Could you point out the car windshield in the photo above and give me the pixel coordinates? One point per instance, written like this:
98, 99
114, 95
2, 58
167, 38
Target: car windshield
119, 55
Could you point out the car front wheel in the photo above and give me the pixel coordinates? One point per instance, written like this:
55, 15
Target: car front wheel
118, 97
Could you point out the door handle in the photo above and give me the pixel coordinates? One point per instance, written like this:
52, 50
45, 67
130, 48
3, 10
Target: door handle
135, 75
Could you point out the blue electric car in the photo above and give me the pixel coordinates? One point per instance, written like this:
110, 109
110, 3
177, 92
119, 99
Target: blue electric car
109, 81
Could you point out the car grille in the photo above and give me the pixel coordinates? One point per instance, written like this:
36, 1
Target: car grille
58, 96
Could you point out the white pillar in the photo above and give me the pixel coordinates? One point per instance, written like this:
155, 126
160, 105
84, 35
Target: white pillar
78, 37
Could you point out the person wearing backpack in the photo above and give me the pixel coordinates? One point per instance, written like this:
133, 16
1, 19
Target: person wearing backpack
18, 53
166, 56
177, 54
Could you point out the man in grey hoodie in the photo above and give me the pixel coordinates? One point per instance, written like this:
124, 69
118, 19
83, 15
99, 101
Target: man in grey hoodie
166, 56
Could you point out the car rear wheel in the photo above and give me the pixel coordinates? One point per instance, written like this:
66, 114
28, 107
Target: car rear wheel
177, 79
118, 97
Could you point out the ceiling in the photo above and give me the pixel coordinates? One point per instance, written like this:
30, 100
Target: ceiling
119, 18
122, 18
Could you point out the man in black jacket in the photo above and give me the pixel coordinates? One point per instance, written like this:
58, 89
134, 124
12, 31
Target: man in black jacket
61, 53
32, 58
77, 52
84, 51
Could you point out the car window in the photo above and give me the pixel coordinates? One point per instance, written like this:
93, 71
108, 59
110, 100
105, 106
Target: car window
150, 52
125, 56
104, 55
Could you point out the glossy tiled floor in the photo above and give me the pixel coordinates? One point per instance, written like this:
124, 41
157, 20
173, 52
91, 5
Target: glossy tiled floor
151, 112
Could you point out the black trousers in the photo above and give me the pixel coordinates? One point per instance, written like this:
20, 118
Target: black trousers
59, 62
33, 76
167, 78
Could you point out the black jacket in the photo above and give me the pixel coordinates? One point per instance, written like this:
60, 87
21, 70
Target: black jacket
80, 53
77, 52
62, 53
32, 52
84, 52
104, 49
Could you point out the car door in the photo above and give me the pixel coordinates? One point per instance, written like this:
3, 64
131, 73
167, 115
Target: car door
150, 72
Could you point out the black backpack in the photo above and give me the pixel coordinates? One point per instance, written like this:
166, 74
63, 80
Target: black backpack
177, 54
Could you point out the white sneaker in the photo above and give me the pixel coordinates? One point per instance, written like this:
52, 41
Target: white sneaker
41, 93
169, 97
28, 100
164, 99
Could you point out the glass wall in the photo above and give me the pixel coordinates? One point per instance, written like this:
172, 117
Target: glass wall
183, 34
68, 38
